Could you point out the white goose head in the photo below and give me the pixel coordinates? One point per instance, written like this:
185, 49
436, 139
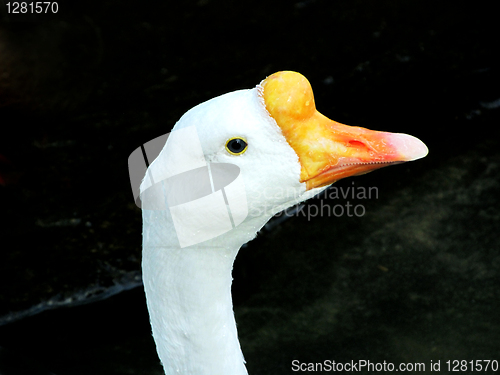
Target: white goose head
286, 152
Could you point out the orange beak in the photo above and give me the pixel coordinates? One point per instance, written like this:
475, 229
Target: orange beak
329, 150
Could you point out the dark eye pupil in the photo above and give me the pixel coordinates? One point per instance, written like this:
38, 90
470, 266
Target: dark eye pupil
236, 145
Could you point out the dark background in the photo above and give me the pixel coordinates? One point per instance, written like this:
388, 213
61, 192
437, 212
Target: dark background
413, 280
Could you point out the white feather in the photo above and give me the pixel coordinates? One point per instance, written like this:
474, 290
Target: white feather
188, 289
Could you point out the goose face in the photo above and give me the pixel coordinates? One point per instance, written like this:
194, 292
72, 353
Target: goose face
290, 150
270, 168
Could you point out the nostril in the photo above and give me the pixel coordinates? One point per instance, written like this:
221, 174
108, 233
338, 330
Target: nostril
356, 144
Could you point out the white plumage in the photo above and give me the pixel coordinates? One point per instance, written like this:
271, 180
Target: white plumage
188, 289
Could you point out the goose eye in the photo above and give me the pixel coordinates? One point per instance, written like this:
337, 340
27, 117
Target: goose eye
236, 145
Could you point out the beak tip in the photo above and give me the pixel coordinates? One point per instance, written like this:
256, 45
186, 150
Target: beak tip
409, 147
